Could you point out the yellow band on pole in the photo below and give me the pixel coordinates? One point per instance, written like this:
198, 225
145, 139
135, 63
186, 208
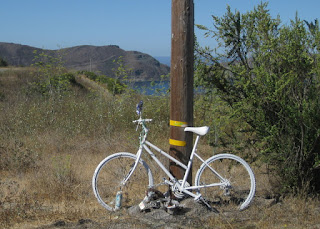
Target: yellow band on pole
178, 123
177, 142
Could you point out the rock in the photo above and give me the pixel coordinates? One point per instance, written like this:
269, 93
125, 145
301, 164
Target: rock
158, 214
264, 202
84, 221
134, 210
191, 207
59, 223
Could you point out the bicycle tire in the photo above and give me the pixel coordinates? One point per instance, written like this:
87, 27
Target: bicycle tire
109, 174
239, 192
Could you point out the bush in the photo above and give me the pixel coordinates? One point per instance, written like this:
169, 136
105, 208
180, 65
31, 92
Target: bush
3, 63
52, 77
53, 84
268, 75
17, 158
113, 85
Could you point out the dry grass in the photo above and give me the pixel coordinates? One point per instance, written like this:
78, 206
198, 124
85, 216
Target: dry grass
49, 148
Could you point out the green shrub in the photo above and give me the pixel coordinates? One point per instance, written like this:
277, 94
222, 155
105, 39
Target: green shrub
91, 75
51, 75
3, 63
268, 76
115, 86
54, 84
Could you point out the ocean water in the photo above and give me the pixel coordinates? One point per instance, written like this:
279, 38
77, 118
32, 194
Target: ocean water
151, 87
157, 88
163, 59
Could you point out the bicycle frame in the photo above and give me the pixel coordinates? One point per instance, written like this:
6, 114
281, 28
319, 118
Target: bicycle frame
144, 146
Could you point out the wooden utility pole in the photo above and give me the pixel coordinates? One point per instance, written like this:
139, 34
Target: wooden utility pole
181, 101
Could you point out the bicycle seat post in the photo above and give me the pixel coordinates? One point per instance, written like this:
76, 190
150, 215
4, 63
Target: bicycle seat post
189, 163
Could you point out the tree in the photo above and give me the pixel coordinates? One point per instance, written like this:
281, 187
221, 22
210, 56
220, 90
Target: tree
268, 75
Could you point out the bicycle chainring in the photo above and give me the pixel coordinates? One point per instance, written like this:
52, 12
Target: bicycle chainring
175, 189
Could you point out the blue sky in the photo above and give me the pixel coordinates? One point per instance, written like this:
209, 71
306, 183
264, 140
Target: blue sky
141, 25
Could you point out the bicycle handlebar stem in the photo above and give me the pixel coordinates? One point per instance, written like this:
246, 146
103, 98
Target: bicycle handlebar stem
144, 131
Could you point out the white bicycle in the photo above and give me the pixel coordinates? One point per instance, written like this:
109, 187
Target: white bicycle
224, 182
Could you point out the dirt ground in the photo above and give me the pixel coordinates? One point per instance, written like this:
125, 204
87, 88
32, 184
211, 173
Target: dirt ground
263, 213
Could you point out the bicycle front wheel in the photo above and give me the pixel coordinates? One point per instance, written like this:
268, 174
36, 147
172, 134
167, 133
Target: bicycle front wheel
108, 180
227, 182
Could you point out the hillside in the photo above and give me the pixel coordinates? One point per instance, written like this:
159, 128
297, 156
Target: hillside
90, 58
51, 145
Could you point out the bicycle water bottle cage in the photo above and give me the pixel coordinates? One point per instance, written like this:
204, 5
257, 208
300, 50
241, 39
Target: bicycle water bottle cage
139, 107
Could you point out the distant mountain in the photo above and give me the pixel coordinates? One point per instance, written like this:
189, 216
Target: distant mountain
164, 59
91, 58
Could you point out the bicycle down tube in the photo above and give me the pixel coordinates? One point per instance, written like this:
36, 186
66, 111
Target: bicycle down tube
183, 165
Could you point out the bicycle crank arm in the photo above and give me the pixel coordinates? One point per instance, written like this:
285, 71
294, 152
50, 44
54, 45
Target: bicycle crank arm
167, 182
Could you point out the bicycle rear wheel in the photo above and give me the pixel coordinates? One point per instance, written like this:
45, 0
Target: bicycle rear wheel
110, 173
237, 186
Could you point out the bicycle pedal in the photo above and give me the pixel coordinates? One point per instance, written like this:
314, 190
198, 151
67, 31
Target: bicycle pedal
166, 194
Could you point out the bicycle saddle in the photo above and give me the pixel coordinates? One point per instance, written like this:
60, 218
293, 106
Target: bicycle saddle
198, 130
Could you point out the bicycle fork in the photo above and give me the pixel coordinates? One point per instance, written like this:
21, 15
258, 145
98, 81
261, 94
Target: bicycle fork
127, 177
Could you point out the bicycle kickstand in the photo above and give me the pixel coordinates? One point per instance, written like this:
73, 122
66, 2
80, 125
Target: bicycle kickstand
204, 202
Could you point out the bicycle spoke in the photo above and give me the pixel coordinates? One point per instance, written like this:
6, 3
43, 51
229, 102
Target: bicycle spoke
238, 186
109, 176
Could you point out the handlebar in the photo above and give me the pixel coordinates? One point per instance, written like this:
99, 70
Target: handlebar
140, 120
